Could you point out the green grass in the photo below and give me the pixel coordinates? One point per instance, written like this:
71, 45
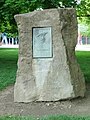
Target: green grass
8, 66
16, 118
58, 117
83, 58
63, 117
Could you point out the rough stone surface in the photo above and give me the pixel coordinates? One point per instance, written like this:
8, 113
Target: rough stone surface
49, 79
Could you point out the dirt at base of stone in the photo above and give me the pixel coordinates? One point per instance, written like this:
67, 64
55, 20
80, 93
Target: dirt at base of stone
79, 106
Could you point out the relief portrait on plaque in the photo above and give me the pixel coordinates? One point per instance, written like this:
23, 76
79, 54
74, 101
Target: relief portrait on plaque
42, 42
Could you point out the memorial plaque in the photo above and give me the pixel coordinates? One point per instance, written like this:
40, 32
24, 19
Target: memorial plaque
42, 42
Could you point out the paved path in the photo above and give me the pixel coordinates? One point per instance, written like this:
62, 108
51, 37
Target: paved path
9, 46
82, 48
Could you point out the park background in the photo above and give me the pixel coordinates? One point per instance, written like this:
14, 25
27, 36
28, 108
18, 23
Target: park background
9, 56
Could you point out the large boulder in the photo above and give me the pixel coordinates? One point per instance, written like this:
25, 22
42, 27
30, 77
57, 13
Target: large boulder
48, 72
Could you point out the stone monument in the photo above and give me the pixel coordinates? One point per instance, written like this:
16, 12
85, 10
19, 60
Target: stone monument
47, 66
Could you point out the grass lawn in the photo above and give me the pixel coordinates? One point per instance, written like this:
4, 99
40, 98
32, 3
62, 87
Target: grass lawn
83, 58
58, 117
8, 65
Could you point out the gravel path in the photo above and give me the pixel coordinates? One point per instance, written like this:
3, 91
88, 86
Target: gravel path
79, 106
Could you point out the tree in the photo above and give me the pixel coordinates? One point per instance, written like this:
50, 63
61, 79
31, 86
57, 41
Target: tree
9, 8
84, 26
83, 13
83, 9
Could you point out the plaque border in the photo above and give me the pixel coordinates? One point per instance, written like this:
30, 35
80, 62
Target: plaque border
52, 42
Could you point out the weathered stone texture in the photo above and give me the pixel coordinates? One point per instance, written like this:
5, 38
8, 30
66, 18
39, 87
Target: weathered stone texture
48, 79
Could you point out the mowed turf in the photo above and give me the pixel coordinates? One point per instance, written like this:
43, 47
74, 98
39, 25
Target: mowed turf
8, 65
83, 58
57, 117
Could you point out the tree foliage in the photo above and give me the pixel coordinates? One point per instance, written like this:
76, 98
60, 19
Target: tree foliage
84, 26
83, 9
83, 12
9, 8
